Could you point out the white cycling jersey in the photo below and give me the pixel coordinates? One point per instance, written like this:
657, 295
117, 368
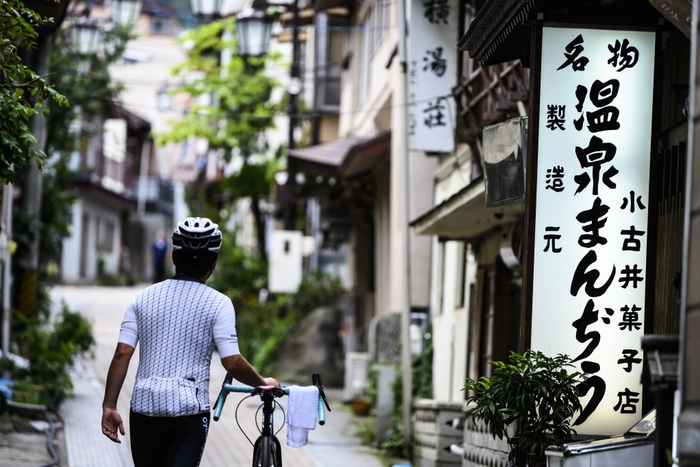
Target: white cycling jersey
177, 323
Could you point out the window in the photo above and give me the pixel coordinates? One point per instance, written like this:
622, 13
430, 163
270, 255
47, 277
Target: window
105, 235
330, 49
160, 26
378, 23
374, 28
365, 55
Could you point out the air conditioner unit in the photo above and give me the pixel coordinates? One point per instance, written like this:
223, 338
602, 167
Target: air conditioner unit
286, 254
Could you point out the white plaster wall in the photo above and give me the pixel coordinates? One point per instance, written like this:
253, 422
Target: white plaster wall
443, 326
462, 331
73, 248
420, 173
454, 173
70, 256
451, 319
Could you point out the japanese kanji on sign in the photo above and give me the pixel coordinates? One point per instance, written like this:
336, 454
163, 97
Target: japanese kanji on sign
590, 248
432, 73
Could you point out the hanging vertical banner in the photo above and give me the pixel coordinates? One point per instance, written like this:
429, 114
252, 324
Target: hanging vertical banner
590, 253
432, 73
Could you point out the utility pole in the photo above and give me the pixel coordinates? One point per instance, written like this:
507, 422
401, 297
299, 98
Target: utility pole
400, 164
289, 206
6, 255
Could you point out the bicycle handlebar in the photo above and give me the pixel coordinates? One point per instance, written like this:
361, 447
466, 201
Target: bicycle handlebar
227, 387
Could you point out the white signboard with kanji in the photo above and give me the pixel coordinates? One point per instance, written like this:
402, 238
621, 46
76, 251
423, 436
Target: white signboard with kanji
432, 73
590, 248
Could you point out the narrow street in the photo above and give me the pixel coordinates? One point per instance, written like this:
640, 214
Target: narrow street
333, 444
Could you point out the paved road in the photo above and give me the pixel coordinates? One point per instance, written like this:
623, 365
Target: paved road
332, 445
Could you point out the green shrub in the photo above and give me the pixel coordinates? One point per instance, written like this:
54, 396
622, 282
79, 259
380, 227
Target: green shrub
52, 348
315, 290
537, 393
366, 431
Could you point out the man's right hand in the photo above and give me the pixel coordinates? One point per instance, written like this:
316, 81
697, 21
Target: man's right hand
271, 382
111, 422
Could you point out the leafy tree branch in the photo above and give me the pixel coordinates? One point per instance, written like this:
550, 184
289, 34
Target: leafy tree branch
232, 105
23, 93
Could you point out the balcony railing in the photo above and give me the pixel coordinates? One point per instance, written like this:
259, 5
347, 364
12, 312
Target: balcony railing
154, 195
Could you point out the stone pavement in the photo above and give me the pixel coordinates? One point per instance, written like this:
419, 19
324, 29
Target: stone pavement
331, 445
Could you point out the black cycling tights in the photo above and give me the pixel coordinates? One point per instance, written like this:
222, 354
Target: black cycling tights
168, 441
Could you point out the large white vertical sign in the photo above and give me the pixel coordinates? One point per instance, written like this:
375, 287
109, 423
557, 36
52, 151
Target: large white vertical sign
432, 73
591, 231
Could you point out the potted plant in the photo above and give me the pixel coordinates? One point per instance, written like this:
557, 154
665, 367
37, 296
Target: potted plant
535, 394
361, 405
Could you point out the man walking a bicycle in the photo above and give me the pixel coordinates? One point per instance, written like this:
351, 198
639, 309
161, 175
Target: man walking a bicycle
177, 323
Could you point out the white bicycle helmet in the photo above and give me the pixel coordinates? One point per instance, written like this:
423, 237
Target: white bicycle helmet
197, 234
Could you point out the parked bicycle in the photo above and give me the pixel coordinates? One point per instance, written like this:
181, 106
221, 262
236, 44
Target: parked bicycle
267, 450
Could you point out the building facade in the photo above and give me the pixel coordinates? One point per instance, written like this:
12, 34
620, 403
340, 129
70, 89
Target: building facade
493, 294
126, 185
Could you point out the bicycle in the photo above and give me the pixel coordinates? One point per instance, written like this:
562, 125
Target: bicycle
267, 450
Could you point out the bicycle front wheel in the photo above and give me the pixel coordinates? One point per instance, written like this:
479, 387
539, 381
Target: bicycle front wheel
276, 452
262, 453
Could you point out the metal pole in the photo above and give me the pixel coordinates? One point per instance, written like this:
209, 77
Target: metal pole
288, 197
294, 74
400, 133
5, 237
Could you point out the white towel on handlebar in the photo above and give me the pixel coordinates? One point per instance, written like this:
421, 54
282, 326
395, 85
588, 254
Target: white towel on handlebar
302, 407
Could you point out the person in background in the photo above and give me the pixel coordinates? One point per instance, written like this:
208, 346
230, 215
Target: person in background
159, 254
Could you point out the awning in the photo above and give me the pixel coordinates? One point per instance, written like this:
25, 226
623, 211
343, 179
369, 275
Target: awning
346, 156
491, 37
677, 12
365, 155
331, 153
324, 164
500, 32
88, 188
465, 216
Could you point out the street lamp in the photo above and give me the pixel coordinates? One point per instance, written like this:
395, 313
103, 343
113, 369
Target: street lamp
251, 25
206, 9
85, 35
253, 28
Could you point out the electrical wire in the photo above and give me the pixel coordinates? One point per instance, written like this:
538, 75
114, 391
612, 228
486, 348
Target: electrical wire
104, 97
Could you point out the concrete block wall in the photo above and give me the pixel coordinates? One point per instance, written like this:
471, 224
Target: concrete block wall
437, 426
481, 449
